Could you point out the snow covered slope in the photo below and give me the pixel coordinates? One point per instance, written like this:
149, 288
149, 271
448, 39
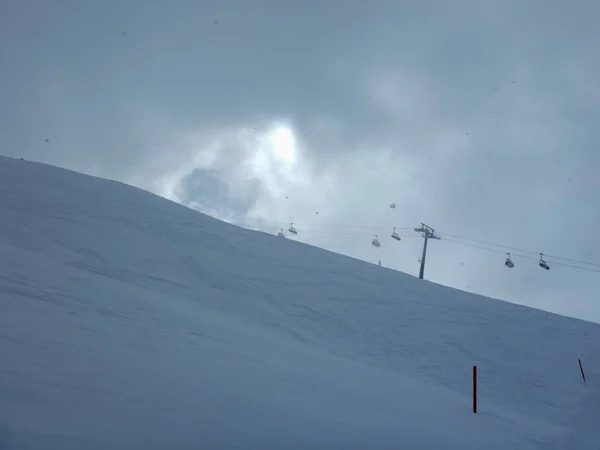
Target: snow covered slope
130, 322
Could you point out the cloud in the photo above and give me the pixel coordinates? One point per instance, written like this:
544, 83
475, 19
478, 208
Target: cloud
477, 118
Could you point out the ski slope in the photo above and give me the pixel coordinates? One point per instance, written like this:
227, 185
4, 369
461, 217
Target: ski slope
128, 321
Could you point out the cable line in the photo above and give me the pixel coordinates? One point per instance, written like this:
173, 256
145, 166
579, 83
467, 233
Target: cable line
309, 228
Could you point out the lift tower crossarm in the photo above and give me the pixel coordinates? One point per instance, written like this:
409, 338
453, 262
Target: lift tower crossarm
427, 233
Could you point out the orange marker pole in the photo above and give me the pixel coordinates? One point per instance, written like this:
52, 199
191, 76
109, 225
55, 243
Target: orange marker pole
475, 389
582, 374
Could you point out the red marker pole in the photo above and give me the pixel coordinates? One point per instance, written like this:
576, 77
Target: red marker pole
475, 389
582, 374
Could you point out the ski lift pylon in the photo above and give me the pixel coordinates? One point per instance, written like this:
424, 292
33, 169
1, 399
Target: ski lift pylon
508, 263
375, 242
543, 264
395, 235
292, 229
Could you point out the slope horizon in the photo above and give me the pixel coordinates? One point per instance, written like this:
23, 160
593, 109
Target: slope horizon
129, 320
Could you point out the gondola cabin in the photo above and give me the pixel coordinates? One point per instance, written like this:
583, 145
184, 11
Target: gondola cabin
543, 264
375, 242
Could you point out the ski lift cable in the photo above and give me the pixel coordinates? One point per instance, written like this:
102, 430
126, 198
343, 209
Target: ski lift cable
476, 246
331, 233
556, 263
550, 257
554, 258
521, 250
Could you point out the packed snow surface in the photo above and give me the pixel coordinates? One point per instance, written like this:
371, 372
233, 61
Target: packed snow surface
128, 321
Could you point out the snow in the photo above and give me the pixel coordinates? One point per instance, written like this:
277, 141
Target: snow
131, 322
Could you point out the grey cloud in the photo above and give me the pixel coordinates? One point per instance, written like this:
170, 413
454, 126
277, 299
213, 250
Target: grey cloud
209, 192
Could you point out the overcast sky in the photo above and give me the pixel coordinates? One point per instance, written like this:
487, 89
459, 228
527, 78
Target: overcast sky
478, 118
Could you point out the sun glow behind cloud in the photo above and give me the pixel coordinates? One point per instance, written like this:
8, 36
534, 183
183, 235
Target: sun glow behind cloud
265, 159
283, 143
